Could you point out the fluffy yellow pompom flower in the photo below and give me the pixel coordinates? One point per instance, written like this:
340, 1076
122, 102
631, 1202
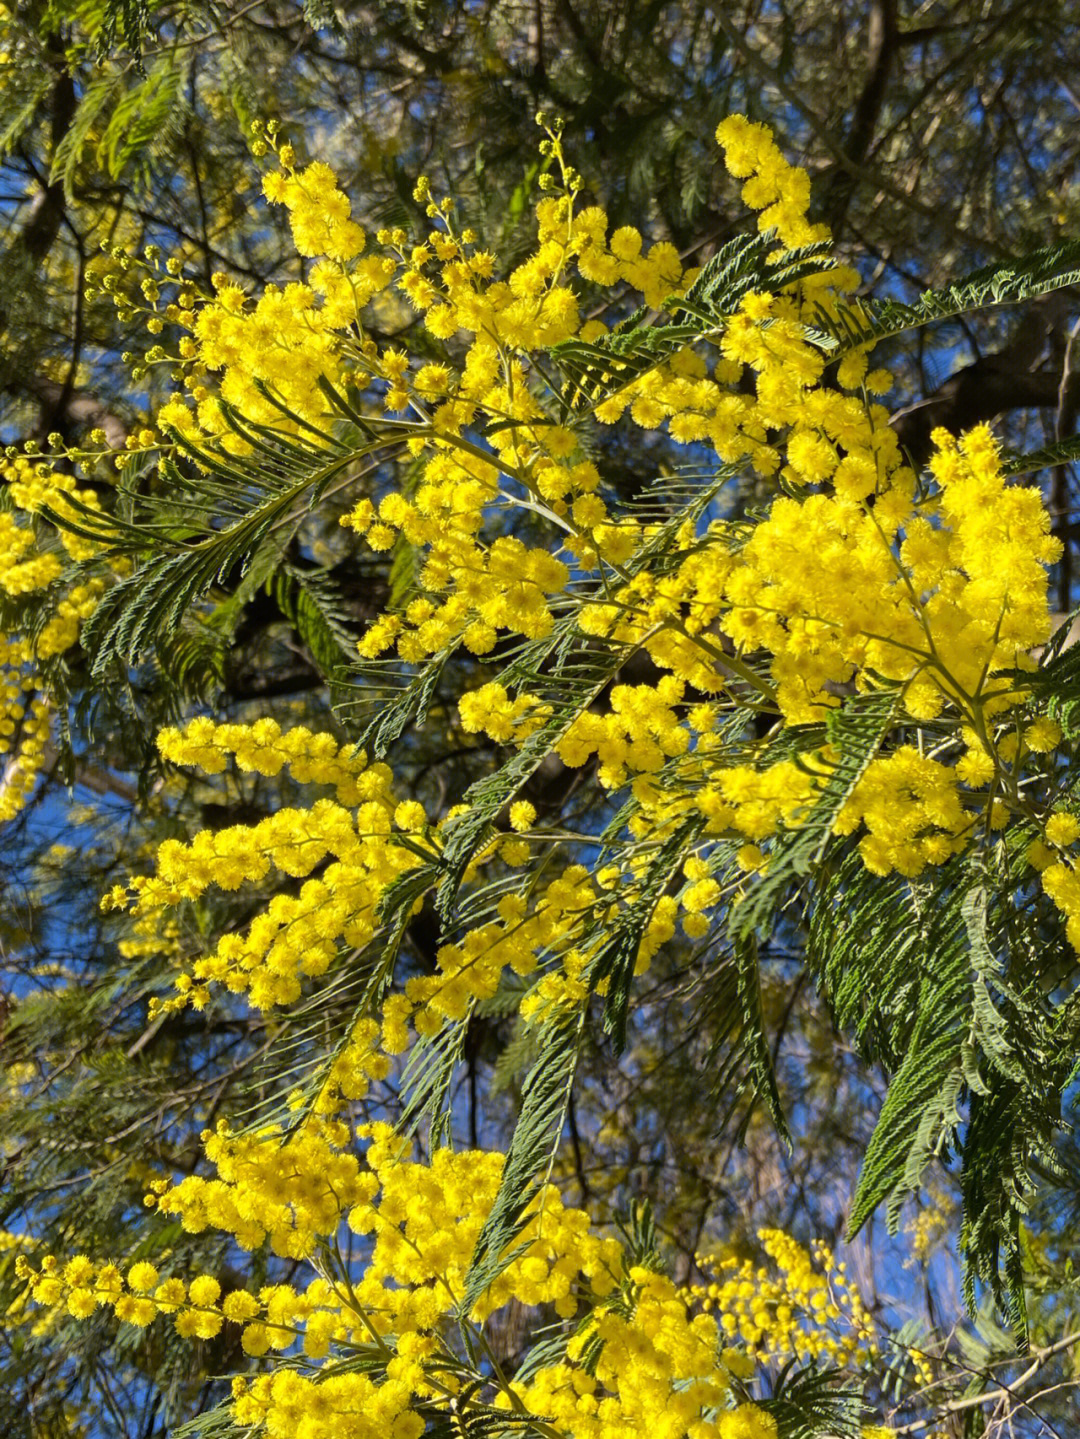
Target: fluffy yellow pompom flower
1062, 829
522, 815
142, 1277
747, 1422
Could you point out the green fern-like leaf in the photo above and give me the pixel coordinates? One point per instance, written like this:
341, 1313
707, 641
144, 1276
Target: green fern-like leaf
1062, 452
516, 1058
815, 1403
545, 1098
391, 697
141, 114
858, 731
131, 18
613, 963
752, 1047
1053, 268
254, 502
309, 601
69, 152
942, 980
570, 683
428, 1077
19, 106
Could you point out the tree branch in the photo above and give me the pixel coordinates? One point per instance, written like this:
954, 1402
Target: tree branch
882, 35
1004, 380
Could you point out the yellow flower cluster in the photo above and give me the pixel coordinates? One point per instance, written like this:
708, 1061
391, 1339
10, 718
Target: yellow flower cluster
658, 1371
850, 583
319, 212
504, 585
803, 1306
853, 580
1061, 881
931, 1226
779, 190
296, 934
27, 726
291, 1192
370, 840
644, 1355
32, 563
264, 748
290, 339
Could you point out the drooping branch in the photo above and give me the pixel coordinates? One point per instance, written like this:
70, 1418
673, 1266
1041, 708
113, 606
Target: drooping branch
995, 383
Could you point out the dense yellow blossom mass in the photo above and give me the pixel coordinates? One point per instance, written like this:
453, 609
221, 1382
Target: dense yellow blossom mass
857, 579
31, 565
851, 581
646, 1355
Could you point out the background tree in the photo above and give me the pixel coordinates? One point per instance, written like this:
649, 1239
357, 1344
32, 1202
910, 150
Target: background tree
108, 150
